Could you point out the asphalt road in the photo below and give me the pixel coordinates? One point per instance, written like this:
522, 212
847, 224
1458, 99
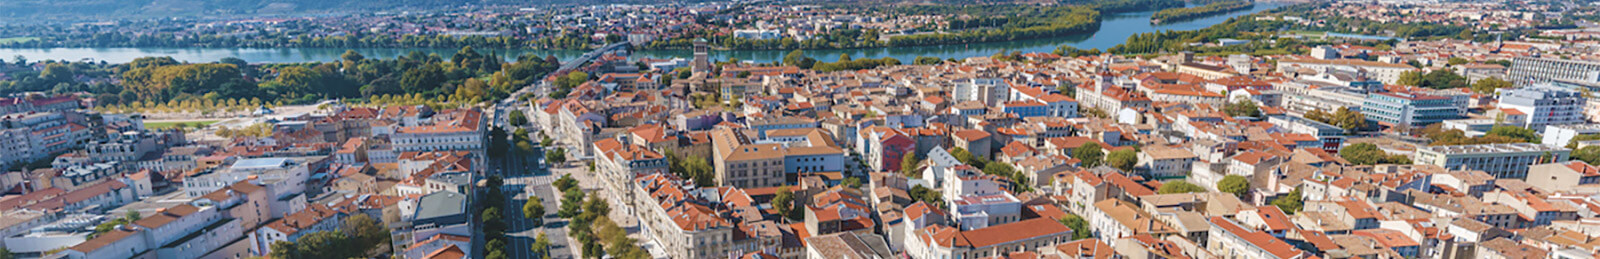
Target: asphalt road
522, 232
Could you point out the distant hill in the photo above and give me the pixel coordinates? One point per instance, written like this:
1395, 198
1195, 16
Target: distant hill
88, 10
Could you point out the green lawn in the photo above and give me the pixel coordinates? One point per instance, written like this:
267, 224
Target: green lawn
168, 125
16, 39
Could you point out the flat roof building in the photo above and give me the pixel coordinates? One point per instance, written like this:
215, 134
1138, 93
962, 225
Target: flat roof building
1499, 160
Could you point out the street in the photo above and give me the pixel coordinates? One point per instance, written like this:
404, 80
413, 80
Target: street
521, 232
527, 174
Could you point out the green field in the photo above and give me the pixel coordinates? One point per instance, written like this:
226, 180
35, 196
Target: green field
168, 125
16, 39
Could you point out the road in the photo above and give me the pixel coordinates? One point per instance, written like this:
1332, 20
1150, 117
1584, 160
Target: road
525, 175
521, 232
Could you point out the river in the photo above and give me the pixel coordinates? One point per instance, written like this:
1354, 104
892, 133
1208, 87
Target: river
1114, 29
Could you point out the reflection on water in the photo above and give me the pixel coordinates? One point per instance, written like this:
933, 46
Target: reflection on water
1113, 30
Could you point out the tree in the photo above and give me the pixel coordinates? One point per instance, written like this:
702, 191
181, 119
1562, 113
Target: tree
1080, 227
1235, 184
1245, 108
498, 145
351, 56
326, 244
1488, 85
422, 79
1344, 117
493, 221
1411, 78
596, 205
517, 118
556, 156
541, 246
533, 209
1179, 186
1362, 154
1090, 153
1525, 134
284, 249
908, 165
784, 202
366, 230
564, 183
925, 195
571, 203
1289, 203
1589, 154
1124, 159
967, 158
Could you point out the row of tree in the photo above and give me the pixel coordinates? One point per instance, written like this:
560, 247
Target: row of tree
1028, 23
147, 83
492, 216
1214, 8
847, 64
597, 234
1496, 135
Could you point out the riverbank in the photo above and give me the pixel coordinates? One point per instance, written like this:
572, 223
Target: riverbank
1114, 29
1181, 14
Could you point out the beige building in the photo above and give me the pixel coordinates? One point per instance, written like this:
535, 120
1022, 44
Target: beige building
743, 161
1563, 176
1166, 162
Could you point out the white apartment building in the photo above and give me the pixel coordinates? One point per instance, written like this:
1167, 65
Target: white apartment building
1544, 104
1561, 134
449, 130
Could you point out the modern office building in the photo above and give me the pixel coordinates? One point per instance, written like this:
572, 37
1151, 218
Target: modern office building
1544, 104
1531, 69
1499, 160
1409, 109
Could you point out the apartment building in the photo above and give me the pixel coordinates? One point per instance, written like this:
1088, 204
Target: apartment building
183, 231
745, 162
1544, 104
618, 161
1526, 70
1166, 162
461, 129
686, 226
